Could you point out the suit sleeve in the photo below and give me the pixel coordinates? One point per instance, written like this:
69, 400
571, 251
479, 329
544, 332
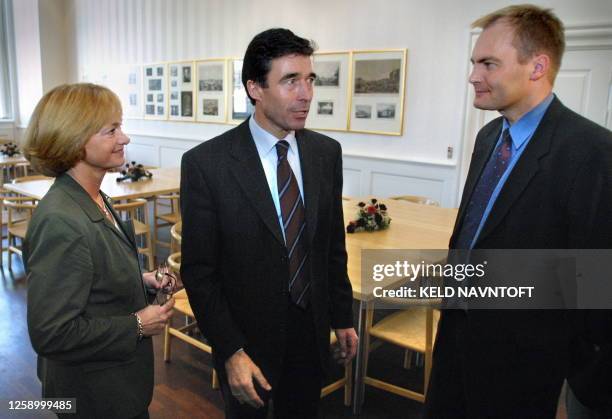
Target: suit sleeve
200, 260
340, 290
590, 227
60, 276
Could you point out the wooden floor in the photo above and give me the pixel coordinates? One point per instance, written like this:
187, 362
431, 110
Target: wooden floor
183, 388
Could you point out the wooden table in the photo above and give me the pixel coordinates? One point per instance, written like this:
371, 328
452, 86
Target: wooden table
163, 181
413, 226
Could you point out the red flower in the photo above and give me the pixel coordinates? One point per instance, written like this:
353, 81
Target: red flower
371, 210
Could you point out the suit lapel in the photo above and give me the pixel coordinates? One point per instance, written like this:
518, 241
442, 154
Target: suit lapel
525, 169
249, 174
311, 169
78, 194
127, 227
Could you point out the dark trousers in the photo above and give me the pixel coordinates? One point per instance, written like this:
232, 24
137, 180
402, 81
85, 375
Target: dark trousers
297, 393
495, 376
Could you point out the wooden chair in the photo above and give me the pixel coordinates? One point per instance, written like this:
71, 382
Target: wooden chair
422, 200
413, 329
182, 306
176, 237
17, 216
19, 212
137, 211
345, 382
164, 218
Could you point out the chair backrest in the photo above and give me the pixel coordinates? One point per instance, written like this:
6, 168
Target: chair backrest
174, 262
176, 233
21, 204
422, 200
135, 209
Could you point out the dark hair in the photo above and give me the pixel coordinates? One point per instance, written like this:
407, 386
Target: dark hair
266, 46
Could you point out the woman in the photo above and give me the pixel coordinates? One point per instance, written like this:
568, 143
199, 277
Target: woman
88, 316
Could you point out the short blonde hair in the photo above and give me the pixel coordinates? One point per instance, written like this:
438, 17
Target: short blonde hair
536, 31
62, 123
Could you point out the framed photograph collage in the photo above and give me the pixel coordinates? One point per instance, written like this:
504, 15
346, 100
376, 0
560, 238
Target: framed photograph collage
211, 90
377, 92
182, 81
155, 91
329, 106
355, 91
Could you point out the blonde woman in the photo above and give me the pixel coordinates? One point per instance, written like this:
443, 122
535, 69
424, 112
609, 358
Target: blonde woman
88, 316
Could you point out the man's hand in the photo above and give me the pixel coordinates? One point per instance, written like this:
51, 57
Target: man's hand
347, 345
240, 373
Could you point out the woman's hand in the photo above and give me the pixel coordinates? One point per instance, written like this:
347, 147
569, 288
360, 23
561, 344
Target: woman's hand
154, 318
149, 280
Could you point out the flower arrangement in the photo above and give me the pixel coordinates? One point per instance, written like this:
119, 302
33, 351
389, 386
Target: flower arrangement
134, 172
9, 149
370, 217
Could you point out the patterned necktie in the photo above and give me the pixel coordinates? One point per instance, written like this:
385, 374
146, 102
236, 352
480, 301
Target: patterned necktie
492, 173
294, 225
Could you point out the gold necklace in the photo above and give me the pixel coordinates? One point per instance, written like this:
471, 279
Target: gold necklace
103, 208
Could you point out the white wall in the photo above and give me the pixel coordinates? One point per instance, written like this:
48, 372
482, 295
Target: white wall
436, 33
54, 43
27, 57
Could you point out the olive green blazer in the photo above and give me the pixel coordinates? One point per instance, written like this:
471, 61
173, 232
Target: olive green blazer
84, 283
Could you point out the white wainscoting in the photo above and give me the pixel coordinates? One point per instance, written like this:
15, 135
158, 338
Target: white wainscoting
362, 175
384, 178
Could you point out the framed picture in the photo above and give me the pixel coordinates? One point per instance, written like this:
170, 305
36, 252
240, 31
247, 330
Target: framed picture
377, 91
211, 90
181, 103
240, 104
155, 91
329, 109
181, 90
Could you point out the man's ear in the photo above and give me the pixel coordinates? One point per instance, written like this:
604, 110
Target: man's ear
254, 89
540, 68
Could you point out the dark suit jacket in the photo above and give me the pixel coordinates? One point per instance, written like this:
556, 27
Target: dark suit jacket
558, 196
234, 259
84, 283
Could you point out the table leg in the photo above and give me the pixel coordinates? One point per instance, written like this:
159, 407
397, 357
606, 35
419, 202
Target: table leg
365, 317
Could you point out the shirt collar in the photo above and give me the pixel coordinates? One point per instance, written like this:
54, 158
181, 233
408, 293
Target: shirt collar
266, 142
524, 128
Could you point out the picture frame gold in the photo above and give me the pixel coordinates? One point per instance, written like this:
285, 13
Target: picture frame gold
181, 91
211, 90
239, 104
377, 93
329, 108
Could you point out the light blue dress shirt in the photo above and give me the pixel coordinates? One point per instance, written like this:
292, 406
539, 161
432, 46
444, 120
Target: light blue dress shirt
266, 148
521, 132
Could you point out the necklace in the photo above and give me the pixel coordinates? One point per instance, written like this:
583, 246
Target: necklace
103, 208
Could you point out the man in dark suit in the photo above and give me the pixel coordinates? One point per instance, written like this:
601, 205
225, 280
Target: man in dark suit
263, 253
540, 178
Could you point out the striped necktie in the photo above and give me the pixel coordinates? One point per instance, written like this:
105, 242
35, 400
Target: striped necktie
294, 226
492, 173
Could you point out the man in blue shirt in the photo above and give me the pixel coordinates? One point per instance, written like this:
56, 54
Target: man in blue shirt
540, 178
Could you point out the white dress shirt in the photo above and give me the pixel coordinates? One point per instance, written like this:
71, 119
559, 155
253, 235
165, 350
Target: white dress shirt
266, 148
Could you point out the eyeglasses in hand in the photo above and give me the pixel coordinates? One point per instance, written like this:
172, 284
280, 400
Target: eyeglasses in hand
167, 280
